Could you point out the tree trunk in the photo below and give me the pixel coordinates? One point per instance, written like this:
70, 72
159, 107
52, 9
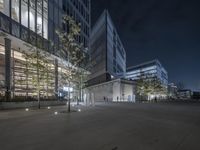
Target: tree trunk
27, 79
69, 101
13, 56
47, 84
38, 82
38, 99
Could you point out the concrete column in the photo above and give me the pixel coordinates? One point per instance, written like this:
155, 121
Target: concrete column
56, 78
7, 69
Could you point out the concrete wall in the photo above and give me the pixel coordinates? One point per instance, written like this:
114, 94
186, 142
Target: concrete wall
113, 91
101, 92
128, 93
116, 91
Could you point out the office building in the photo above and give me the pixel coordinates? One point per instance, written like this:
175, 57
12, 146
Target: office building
106, 82
148, 70
107, 51
185, 94
196, 95
34, 22
172, 91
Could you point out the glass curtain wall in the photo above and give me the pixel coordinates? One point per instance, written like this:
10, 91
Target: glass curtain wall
23, 76
34, 14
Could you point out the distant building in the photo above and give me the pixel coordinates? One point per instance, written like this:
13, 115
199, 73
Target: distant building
184, 94
107, 51
172, 91
151, 69
196, 95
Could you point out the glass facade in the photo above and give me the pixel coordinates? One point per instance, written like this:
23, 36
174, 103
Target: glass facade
116, 54
152, 69
23, 76
80, 11
35, 22
32, 14
30, 17
107, 51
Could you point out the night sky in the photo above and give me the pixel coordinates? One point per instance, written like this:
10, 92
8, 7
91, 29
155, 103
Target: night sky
168, 30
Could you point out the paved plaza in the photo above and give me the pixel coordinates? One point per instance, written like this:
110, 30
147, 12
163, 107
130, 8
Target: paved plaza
119, 126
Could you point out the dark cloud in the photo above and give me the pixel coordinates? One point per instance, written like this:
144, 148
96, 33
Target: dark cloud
165, 29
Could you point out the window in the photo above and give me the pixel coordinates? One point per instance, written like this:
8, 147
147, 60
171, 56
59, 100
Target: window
24, 12
39, 17
45, 19
4, 7
15, 10
32, 15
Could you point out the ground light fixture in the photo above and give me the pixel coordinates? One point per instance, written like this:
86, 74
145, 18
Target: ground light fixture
26, 109
48, 107
55, 113
79, 110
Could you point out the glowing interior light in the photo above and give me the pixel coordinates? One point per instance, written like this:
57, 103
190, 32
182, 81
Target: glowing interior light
68, 89
39, 20
31, 16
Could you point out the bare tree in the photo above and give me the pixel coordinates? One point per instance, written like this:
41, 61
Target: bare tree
36, 68
74, 51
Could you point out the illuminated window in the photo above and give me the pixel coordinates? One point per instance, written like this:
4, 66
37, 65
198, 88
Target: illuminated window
4, 7
39, 17
45, 19
32, 15
15, 10
24, 12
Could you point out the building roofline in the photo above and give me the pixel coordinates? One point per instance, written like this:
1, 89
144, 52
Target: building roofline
105, 14
144, 63
108, 15
115, 80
